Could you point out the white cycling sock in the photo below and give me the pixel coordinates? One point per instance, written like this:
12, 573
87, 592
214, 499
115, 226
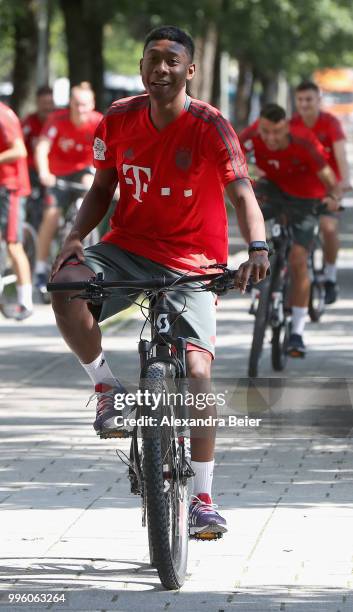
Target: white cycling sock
298, 319
41, 267
203, 476
24, 296
99, 371
331, 272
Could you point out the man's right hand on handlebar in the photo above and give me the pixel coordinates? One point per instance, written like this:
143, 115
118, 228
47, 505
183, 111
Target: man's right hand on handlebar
72, 247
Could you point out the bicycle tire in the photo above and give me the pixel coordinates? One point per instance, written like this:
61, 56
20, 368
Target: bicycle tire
281, 333
279, 345
261, 319
316, 307
166, 502
30, 244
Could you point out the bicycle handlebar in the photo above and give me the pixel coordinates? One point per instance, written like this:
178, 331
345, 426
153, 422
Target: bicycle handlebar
161, 282
65, 185
219, 282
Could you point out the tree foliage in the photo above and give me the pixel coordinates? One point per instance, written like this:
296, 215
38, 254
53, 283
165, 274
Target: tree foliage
267, 37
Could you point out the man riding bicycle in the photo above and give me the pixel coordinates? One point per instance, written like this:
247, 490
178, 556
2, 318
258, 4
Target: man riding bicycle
328, 129
173, 157
295, 179
14, 186
64, 150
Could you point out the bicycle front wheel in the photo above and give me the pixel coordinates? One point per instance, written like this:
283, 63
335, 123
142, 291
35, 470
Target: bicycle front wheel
30, 244
165, 487
261, 319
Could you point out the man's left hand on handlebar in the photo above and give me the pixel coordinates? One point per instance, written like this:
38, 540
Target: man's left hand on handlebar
255, 268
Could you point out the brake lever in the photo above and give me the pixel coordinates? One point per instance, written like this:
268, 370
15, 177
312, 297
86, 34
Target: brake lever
96, 295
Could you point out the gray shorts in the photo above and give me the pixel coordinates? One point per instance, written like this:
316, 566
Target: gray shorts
197, 322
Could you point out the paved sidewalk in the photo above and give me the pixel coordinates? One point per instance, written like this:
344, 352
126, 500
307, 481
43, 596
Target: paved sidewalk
69, 524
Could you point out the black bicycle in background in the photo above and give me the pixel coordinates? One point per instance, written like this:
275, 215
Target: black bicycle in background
270, 300
159, 467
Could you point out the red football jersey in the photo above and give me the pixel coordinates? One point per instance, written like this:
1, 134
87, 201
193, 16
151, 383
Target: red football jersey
294, 169
171, 208
71, 145
328, 130
31, 127
13, 175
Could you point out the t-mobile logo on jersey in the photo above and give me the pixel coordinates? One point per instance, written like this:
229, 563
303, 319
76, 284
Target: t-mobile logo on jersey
140, 186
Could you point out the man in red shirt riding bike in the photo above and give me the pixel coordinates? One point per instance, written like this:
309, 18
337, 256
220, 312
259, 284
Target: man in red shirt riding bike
296, 178
328, 130
64, 150
173, 157
14, 186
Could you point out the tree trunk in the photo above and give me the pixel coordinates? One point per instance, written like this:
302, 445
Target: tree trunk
269, 84
205, 56
244, 94
95, 35
84, 34
76, 38
26, 50
216, 85
44, 19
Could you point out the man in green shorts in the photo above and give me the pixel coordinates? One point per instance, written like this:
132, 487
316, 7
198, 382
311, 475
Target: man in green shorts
173, 157
296, 178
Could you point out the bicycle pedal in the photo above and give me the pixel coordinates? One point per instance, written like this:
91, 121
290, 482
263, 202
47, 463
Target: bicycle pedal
104, 435
296, 354
206, 536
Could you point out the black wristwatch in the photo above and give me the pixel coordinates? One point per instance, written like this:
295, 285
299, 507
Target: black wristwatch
258, 245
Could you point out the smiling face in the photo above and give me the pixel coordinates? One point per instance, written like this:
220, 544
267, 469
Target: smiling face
273, 134
307, 102
165, 68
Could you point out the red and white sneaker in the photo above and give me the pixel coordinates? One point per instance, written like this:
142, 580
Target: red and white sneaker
203, 518
108, 422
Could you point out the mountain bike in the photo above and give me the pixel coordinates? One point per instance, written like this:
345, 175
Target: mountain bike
270, 301
159, 467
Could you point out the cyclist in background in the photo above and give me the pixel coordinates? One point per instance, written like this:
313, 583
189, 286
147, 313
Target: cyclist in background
329, 131
32, 126
64, 150
296, 178
14, 186
173, 157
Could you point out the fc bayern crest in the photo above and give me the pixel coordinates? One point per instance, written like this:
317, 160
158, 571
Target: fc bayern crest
183, 159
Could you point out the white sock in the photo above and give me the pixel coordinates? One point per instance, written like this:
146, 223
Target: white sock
203, 476
99, 371
331, 272
298, 319
24, 296
41, 267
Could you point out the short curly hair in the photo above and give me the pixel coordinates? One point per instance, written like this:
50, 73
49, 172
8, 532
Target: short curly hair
172, 33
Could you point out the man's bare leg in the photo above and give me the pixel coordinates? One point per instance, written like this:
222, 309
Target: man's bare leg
76, 323
300, 292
